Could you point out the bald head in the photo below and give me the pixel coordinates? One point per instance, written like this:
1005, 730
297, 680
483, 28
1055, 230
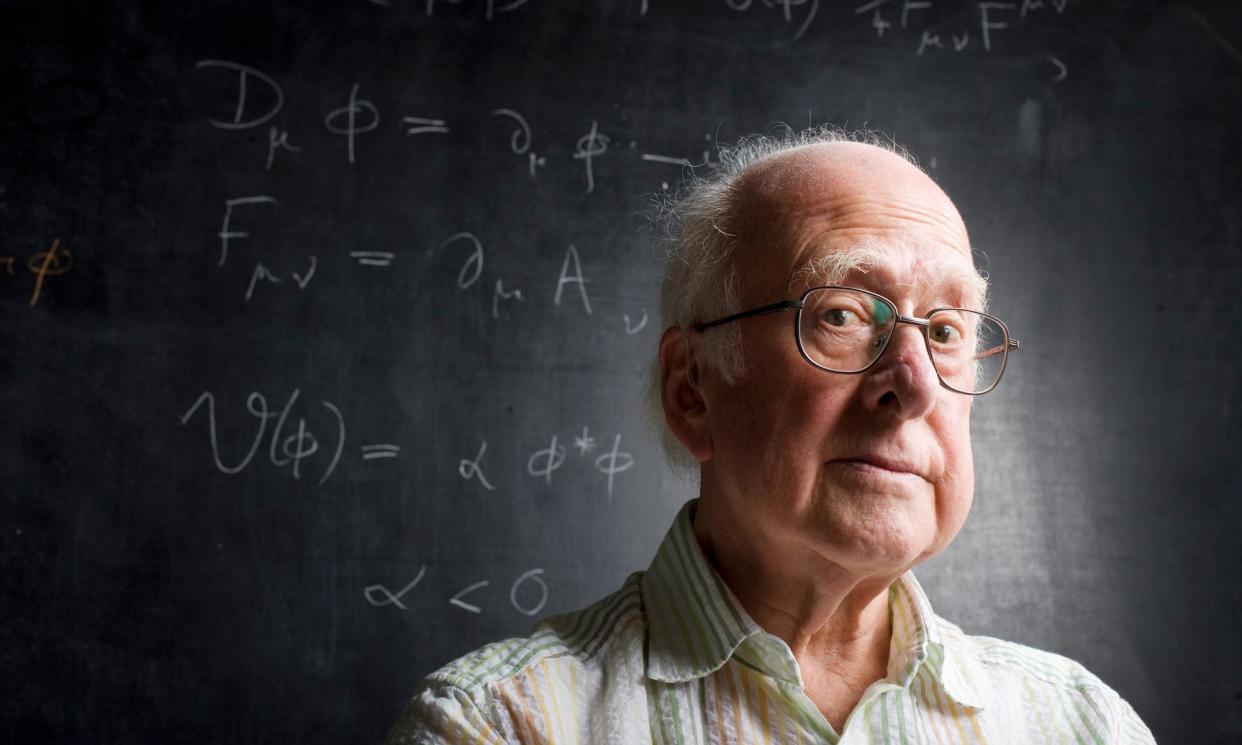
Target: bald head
836, 207
838, 176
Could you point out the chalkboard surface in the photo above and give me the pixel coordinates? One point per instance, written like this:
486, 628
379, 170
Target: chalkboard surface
325, 328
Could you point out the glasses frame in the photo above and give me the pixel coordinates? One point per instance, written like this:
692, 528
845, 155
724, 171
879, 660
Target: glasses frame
924, 323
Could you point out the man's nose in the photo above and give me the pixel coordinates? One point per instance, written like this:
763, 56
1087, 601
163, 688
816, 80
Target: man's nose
903, 381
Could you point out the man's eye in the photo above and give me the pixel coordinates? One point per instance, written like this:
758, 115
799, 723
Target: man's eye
840, 317
945, 334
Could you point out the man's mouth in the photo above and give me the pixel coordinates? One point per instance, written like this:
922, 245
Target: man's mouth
880, 466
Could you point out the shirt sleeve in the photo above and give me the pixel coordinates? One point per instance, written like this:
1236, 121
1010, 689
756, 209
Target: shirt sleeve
442, 714
1124, 725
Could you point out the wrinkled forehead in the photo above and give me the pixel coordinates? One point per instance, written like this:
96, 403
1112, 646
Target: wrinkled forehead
827, 212
897, 269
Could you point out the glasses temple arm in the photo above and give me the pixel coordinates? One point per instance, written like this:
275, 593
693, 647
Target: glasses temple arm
761, 311
1011, 345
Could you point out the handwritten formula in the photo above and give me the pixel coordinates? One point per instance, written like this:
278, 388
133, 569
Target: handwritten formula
798, 15
287, 439
54, 261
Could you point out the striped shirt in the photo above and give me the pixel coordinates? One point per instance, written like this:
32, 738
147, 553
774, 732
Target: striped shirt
672, 657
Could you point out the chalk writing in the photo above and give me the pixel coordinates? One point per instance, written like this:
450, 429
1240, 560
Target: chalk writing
278, 138
490, 9
499, 294
929, 40
532, 576
310, 272
880, 24
909, 5
576, 278
371, 452
987, 25
291, 450
992, 17
260, 272
389, 598
226, 233
591, 145
797, 14
244, 73
360, 116
544, 462
469, 469
456, 599
786, 7
1062, 70
519, 140
43, 264
614, 462
351, 129
652, 158
631, 330
422, 126
585, 443
372, 258
473, 266
380, 596
1029, 5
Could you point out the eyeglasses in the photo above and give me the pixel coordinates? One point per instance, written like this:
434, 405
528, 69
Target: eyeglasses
845, 330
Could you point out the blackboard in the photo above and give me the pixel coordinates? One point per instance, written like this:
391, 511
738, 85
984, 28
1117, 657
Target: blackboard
326, 326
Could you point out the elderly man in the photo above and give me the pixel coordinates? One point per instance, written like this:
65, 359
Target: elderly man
827, 337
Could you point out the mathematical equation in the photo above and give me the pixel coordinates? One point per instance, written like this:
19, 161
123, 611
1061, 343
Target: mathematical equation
520, 594
292, 443
360, 117
522, 589
544, 462
992, 18
43, 264
570, 277
490, 11
800, 14
258, 98
294, 450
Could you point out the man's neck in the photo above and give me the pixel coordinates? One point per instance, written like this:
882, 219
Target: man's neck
836, 625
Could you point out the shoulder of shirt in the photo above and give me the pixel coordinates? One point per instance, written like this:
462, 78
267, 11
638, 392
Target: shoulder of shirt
1000, 658
583, 636
1005, 657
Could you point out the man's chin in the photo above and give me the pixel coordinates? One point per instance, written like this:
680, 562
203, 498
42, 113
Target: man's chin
875, 546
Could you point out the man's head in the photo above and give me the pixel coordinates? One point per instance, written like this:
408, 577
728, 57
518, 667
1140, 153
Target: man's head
778, 441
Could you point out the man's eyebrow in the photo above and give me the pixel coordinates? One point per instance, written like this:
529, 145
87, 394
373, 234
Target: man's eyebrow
955, 282
968, 288
833, 267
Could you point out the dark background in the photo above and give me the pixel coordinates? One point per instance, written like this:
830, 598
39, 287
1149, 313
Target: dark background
150, 594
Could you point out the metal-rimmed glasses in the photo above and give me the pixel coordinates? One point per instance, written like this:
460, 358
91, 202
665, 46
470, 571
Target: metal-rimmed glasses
846, 329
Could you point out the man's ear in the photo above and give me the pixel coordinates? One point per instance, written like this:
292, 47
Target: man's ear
685, 410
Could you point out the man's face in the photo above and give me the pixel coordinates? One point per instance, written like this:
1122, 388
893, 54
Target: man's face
791, 444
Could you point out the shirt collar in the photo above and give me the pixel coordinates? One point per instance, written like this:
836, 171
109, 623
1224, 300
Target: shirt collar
695, 624
920, 638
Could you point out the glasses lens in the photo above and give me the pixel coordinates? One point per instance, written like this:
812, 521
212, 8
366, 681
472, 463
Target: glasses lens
844, 330
968, 349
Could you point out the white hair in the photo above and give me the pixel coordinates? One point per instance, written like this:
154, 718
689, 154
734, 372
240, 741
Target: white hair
700, 280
